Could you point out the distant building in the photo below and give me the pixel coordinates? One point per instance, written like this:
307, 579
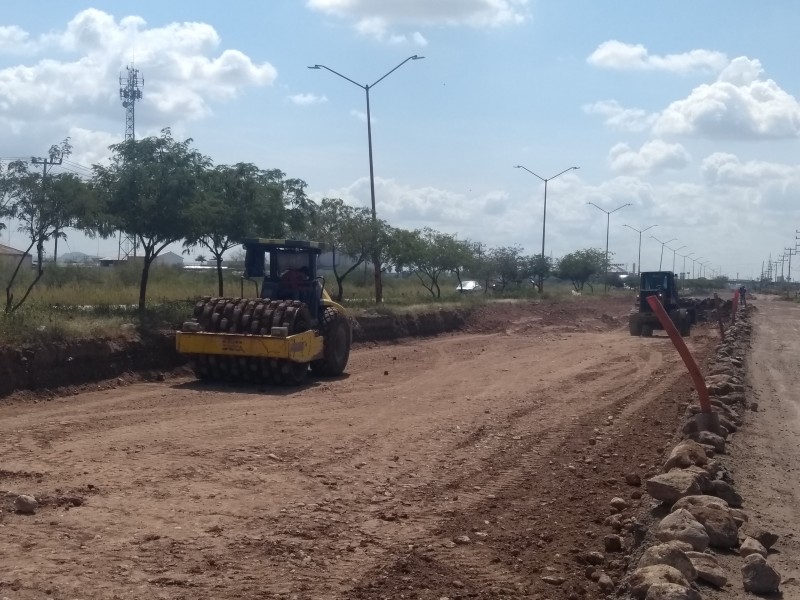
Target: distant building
169, 259
343, 261
9, 257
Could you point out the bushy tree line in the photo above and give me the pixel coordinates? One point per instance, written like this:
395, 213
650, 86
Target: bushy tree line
160, 191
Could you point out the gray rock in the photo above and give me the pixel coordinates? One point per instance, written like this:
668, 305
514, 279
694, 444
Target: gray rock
767, 538
642, 579
612, 543
752, 546
739, 516
700, 500
759, 576
686, 454
724, 490
633, 479
671, 487
619, 504
682, 526
594, 558
710, 439
25, 505
605, 583
671, 591
708, 568
672, 554
702, 422
718, 522
462, 539
553, 579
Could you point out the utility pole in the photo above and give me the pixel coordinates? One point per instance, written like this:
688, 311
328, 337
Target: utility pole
789, 253
129, 93
51, 162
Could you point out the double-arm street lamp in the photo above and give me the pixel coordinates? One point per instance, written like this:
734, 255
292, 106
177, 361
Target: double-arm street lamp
674, 252
660, 260
608, 225
640, 232
376, 263
544, 213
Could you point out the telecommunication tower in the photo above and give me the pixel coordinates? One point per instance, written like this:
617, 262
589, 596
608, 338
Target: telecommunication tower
129, 93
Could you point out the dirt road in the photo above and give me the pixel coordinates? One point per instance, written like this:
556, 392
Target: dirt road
765, 454
360, 487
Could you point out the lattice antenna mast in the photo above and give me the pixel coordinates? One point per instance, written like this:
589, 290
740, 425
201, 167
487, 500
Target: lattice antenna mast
130, 93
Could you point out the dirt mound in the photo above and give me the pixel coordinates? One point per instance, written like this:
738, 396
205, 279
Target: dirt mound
67, 366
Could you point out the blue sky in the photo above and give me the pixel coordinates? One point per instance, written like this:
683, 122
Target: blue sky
686, 110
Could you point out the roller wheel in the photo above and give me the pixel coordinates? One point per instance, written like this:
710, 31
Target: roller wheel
686, 326
337, 337
635, 325
647, 330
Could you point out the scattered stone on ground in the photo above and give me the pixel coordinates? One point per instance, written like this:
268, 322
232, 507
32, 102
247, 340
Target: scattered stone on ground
25, 505
752, 546
708, 568
682, 526
672, 554
641, 579
758, 576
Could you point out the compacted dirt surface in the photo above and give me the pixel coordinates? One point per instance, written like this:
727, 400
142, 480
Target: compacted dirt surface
472, 465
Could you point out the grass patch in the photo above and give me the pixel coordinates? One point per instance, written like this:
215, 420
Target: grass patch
77, 302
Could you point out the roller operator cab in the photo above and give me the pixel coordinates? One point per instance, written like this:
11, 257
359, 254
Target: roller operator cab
643, 321
291, 324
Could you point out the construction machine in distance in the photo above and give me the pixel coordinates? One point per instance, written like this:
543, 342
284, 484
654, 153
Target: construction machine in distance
642, 320
290, 327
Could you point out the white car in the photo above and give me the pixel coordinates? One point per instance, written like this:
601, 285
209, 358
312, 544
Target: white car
467, 287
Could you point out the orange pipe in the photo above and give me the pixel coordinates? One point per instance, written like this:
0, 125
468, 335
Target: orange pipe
680, 346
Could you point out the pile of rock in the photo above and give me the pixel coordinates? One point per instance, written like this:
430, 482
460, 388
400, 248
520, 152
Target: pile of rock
705, 511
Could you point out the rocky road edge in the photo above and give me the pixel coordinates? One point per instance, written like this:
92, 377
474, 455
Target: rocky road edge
696, 511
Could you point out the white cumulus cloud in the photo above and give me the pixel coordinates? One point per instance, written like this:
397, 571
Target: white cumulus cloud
378, 18
620, 118
655, 155
183, 69
740, 104
614, 54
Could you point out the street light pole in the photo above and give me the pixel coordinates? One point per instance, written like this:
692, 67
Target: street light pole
696, 260
660, 260
376, 263
544, 212
685, 256
674, 252
640, 232
608, 226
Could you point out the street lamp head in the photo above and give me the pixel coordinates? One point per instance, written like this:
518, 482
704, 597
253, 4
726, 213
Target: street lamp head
315, 67
415, 57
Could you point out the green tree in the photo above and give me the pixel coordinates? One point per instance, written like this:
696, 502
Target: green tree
44, 206
581, 266
429, 254
237, 201
150, 191
537, 268
346, 230
507, 264
300, 210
